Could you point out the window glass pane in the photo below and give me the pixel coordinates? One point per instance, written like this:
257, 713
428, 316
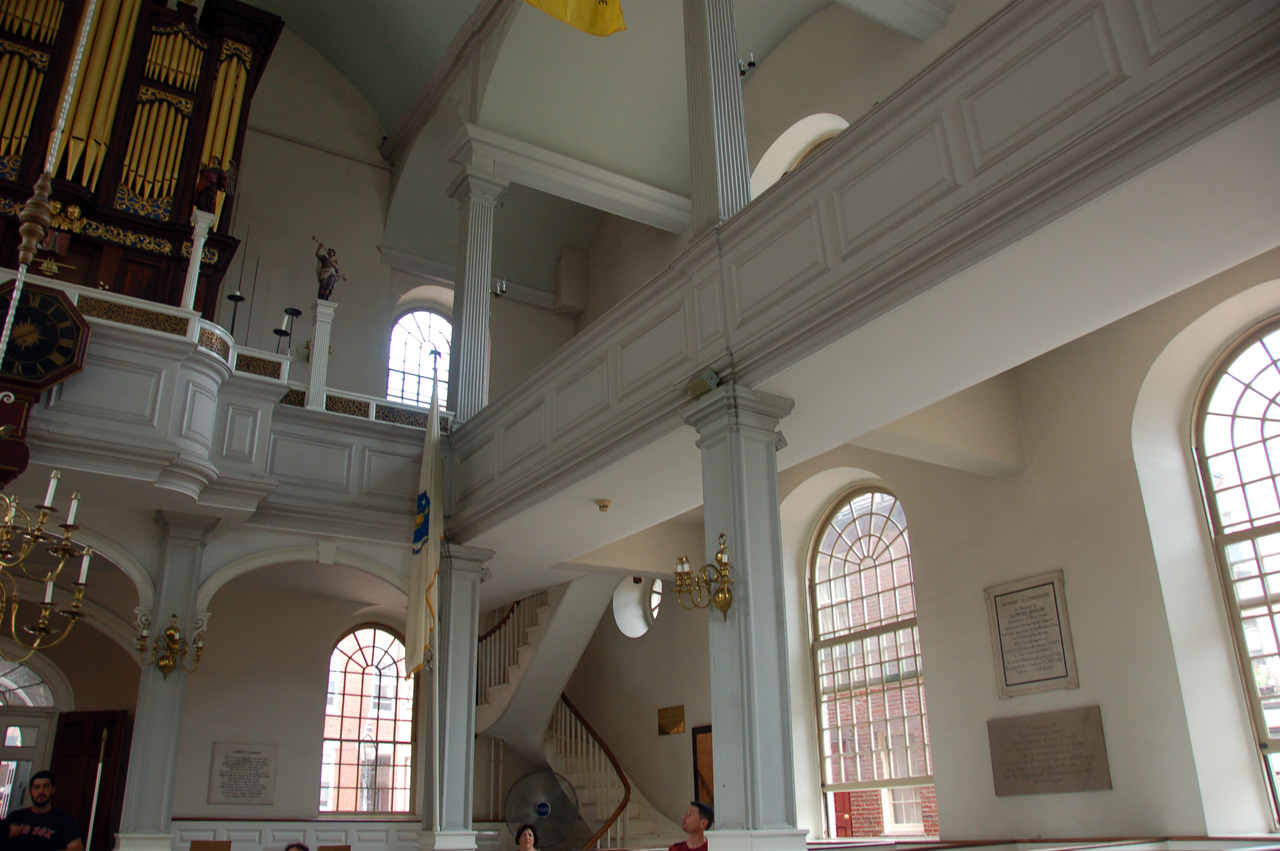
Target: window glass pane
365, 763
410, 358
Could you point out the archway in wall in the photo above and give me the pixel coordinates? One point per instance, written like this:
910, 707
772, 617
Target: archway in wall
798, 142
1222, 740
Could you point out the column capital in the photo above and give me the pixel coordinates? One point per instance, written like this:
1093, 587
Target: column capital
463, 559
323, 310
192, 527
477, 184
202, 221
732, 405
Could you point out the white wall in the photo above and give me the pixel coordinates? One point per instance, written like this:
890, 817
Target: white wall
311, 168
263, 681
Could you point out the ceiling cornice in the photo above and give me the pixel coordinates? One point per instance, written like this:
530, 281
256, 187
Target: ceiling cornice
574, 180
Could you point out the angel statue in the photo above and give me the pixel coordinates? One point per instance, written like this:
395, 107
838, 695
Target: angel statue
214, 179
327, 275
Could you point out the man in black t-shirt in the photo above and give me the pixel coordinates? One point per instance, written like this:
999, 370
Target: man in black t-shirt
40, 827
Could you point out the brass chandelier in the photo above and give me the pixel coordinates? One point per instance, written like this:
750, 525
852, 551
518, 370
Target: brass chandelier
19, 538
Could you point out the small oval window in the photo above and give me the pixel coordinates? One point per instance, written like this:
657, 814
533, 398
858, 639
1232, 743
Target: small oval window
635, 605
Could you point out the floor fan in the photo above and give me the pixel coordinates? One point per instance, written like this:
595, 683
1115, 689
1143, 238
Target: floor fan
545, 800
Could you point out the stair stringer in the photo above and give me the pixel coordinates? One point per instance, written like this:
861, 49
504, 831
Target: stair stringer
520, 710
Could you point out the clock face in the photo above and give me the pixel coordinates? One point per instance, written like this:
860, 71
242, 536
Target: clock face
47, 342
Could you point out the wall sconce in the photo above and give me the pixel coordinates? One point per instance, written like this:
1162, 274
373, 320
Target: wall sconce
170, 649
697, 586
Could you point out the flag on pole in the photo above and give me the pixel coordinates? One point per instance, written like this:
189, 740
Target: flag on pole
428, 531
596, 17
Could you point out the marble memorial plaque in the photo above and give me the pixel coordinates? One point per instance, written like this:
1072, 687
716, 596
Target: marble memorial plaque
1031, 635
1049, 752
243, 774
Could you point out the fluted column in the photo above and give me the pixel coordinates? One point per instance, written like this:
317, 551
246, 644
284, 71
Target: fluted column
200, 223
454, 712
153, 755
721, 177
478, 192
321, 332
750, 688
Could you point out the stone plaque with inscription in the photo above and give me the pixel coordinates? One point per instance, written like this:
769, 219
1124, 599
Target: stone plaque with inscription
243, 774
1031, 636
1049, 752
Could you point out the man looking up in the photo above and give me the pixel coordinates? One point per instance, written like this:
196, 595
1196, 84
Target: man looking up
697, 819
40, 827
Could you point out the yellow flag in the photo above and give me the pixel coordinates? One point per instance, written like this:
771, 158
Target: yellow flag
597, 17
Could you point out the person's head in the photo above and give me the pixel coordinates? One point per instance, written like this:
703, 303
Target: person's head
332, 251
697, 818
526, 837
296, 846
42, 789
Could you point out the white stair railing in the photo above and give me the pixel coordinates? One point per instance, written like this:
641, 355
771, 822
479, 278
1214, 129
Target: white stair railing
595, 774
499, 648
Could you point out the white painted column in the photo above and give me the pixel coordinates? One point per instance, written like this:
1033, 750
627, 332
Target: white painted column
201, 222
461, 571
153, 755
478, 193
750, 704
721, 176
321, 331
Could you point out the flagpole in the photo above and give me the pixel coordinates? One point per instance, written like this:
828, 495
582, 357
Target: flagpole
434, 635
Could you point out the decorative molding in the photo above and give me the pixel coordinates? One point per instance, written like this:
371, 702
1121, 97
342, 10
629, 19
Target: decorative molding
1043, 109
918, 19
139, 317
444, 273
565, 177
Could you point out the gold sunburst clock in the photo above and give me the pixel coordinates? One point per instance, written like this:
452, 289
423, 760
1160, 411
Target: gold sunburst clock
46, 346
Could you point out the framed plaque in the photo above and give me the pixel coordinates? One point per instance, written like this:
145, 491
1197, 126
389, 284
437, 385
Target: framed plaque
243, 774
1031, 635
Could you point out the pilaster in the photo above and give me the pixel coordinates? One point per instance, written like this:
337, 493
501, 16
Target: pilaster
321, 330
750, 704
721, 176
153, 755
449, 827
201, 222
478, 193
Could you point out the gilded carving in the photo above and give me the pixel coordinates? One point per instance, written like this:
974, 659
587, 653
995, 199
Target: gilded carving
208, 255
9, 166
120, 236
66, 218
146, 94
215, 343
127, 314
399, 416
33, 57
344, 405
244, 51
258, 366
154, 208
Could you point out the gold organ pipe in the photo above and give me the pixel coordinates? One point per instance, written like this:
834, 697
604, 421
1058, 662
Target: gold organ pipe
180, 69
37, 18
6, 14
233, 122
11, 110
8, 61
224, 110
214, 110
104, 113
175, 61
130, 150
172, 182
91, 83
162, 161
166, 58
29, 109
152, 53
162, 61
140, 152
16, 25
58, 8
193, 66
28, 18
144, 145
155, 168
44, 11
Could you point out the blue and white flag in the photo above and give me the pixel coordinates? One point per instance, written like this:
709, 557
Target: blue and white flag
428, 532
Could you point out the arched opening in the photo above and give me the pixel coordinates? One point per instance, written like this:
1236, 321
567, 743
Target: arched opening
796, 144
419, 349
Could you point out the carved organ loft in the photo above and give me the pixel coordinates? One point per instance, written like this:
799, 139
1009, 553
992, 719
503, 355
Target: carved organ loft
158, 96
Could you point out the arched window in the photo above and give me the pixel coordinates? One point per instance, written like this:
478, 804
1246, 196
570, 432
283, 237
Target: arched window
368, 726
409, 361
1238, 448
877, 767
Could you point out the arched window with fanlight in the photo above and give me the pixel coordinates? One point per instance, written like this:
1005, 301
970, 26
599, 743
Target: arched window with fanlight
367, 764
1237, 444
414, 339
877, 769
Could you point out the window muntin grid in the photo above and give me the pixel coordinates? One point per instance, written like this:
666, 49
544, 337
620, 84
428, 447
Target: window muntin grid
21, 686
1239, 454
366, 763
409, 360
872, 710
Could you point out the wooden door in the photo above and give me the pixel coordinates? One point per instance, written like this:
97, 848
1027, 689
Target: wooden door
83, 740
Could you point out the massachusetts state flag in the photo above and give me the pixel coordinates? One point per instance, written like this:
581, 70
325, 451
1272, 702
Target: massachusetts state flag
428, 532
597, 17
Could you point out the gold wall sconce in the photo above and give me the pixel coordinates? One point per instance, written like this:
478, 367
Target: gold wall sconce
709, 585
169, 650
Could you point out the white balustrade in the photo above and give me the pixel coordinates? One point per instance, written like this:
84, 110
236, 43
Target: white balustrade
578, 755
499, 649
